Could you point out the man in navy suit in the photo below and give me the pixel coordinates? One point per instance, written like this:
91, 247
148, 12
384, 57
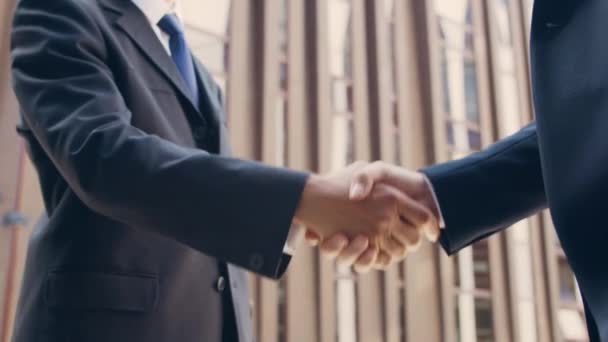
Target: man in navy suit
149, 223
559, 161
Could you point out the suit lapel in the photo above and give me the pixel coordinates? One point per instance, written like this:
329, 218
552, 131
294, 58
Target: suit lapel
137, 27
207, 89
212, 106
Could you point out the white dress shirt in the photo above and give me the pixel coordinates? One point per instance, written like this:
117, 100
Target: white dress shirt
155, 10
440, 218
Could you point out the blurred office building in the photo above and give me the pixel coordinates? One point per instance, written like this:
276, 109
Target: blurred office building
318, 84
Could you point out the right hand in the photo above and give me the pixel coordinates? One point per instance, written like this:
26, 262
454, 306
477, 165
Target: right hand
326, 210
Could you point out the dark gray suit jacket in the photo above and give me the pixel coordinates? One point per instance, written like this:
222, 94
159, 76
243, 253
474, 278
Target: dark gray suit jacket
560, 161
144, 209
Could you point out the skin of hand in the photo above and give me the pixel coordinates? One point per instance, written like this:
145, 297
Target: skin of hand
372, 220
415, 187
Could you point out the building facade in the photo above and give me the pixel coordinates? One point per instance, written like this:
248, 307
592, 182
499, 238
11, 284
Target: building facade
318, 84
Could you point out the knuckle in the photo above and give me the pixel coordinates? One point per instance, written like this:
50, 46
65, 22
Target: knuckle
392, 198
425, 217
380, 168
390, 202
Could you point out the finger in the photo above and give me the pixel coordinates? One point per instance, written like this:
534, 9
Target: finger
432, 230
395, 248
312, 238
407, 235
366, 261
412, 211
361, 186
333, 246
383, 261
353, 251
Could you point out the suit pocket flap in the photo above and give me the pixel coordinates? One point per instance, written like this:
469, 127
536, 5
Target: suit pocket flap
101, 291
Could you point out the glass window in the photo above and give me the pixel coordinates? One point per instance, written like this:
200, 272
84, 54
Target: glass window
389, 20
342, 95
458, 73
283, 24
470, 88
340, 54
456, 11
460, 106
481, 265
483, 315
460, 97
282, 117
343, 151
281, 130
510, 119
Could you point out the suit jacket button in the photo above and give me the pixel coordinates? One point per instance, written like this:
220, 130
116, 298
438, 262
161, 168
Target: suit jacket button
256, 262
220, 285
198, 133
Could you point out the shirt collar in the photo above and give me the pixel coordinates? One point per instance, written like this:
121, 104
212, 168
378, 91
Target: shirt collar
155, 10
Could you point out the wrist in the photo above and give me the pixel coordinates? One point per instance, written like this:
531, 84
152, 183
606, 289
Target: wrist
310, 198
426, 195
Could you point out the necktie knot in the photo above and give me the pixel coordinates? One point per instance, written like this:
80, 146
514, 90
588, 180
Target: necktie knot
171, 25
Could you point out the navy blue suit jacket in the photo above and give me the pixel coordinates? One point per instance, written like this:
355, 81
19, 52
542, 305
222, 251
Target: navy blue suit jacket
149, 222
559, 161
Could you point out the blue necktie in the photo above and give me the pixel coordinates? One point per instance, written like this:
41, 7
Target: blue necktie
180, 54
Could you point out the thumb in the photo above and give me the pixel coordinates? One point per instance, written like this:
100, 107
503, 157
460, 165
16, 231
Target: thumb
364, 179
312, 238
432, 230
361, 185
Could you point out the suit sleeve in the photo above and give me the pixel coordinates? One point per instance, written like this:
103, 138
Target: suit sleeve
238, 211
489, 190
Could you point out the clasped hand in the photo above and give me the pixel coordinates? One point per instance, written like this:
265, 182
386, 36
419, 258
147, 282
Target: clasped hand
368, 215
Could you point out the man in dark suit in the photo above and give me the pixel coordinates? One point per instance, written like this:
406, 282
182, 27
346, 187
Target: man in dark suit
560, 161
148, 220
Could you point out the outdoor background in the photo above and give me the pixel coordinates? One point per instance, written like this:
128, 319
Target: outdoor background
317, 84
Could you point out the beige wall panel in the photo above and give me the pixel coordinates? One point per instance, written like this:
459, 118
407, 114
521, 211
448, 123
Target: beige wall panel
266, 16
319, 91
369, 286
9, 156
242, 103
422, 283
302, 282
432, 105
500, 307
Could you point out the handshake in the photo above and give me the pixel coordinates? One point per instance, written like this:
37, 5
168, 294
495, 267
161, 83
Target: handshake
368, 215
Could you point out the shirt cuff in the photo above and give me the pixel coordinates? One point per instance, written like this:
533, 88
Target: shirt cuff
430, 185
295, 235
